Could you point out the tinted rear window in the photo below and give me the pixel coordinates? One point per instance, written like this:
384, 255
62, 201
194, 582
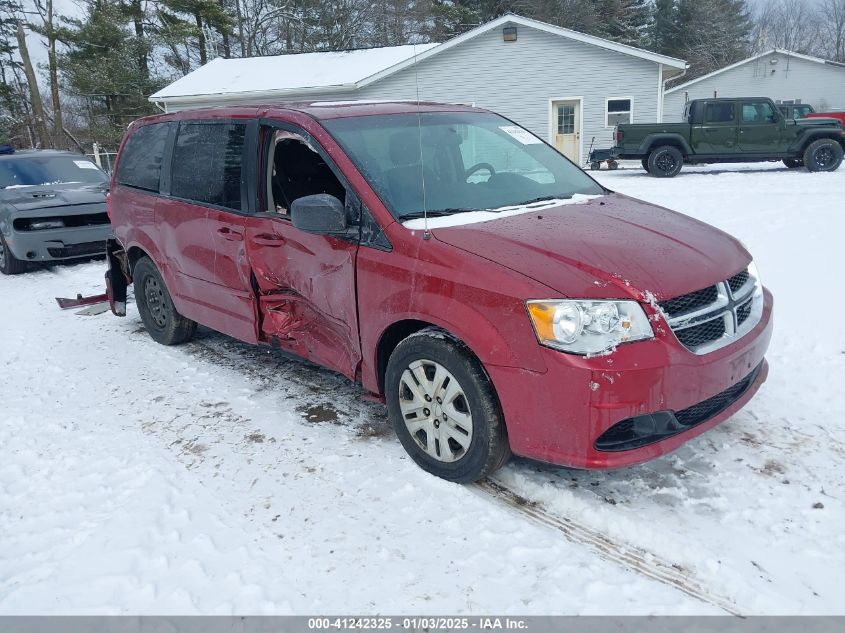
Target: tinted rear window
207, 163
140, 161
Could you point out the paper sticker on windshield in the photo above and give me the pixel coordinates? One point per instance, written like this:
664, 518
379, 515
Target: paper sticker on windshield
523, 136
84, 164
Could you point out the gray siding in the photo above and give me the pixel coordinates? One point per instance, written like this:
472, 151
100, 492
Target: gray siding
821, 85
518, 79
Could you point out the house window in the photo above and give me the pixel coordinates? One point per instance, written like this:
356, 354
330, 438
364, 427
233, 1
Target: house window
566, 119
619, 111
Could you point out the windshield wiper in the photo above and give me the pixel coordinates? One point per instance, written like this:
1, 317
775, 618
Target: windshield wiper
543, 199
435, 213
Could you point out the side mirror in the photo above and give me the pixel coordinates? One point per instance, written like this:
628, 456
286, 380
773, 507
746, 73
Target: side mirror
321, 213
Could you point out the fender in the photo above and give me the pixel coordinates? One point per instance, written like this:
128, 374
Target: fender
810, 135
655, 140
489, 344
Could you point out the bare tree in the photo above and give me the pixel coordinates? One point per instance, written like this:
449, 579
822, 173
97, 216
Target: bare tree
833, 26
40, 122
792, 25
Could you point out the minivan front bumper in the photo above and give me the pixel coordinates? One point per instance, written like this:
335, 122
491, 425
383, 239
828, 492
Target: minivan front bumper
654, 393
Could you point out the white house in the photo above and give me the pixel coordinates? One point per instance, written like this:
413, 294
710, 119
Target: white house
565, 86
783, 76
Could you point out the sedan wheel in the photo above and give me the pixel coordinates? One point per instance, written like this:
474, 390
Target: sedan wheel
9, 264
435, 410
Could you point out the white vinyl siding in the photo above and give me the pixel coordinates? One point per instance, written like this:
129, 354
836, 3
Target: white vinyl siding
820, 85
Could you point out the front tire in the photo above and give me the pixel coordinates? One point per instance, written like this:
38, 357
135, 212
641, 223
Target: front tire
824, 154
163, 322
444, 409
665, 161
9, 264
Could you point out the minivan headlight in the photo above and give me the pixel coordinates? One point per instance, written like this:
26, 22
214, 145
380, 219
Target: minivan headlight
586, 326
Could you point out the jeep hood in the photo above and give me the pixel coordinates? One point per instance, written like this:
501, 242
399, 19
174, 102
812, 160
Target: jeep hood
818, 121
610, 247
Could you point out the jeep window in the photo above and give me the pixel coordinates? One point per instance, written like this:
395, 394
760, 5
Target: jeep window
618, 111
758, 112
140, 160
296, 169
801, 111
449, 162
207, 163
44, 169
719, 113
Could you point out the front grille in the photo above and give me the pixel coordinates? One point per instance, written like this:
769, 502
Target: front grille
689, 302
710, 318
69, 221
643, 430
698, 335
703, 411
743, 312
78, 250
738, 281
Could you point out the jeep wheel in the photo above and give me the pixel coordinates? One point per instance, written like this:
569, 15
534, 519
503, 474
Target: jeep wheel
824, 154
164, 324
9, 264
444, 409
793, 163
665, 161
595, 165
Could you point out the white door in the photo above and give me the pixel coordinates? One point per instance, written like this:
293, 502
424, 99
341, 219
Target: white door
567, 126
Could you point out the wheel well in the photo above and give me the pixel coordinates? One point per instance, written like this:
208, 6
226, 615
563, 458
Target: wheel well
134, 254
391, 337
671, 142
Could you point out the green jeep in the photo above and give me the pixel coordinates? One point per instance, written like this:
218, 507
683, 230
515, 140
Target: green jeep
749, 129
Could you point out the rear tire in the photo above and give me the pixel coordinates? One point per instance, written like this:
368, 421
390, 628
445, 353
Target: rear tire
665, 161
444, 409
164, 324
793, 163
612, 164
595, 166
824, 154
9, 264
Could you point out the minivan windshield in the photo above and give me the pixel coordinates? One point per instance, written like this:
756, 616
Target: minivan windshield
449, 162
35, 169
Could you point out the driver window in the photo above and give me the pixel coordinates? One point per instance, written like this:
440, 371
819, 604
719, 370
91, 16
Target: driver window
295, 169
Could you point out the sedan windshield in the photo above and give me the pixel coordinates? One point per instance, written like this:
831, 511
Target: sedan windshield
34, 170
450, 162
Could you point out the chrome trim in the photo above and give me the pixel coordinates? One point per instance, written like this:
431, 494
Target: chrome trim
726, 307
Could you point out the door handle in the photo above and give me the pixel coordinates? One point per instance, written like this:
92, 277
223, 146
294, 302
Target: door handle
269, 240
228, 234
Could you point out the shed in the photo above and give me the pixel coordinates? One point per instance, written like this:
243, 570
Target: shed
781, 75
567, 87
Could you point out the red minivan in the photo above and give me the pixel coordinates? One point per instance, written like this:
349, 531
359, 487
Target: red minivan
462, 270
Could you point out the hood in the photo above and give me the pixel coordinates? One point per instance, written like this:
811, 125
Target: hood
610, 247
47, 196
818, 121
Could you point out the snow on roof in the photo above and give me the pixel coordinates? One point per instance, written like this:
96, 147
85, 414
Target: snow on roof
295, 72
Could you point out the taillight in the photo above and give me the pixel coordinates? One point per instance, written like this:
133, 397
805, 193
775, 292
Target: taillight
618, 135
108, 205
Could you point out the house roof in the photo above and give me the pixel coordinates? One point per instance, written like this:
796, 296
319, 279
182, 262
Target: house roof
773, 51
276, 76
272, 75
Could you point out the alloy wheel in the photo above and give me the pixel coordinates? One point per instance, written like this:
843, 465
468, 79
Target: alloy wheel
435, 410
824, 157
665, 162
2, 254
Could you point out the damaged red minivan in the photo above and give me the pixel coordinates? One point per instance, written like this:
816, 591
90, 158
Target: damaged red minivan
495, 296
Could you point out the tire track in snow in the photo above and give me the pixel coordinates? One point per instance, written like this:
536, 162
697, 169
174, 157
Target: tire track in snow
276, 367
635, 559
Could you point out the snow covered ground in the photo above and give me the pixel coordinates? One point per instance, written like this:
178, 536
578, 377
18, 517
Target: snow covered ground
221, 478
